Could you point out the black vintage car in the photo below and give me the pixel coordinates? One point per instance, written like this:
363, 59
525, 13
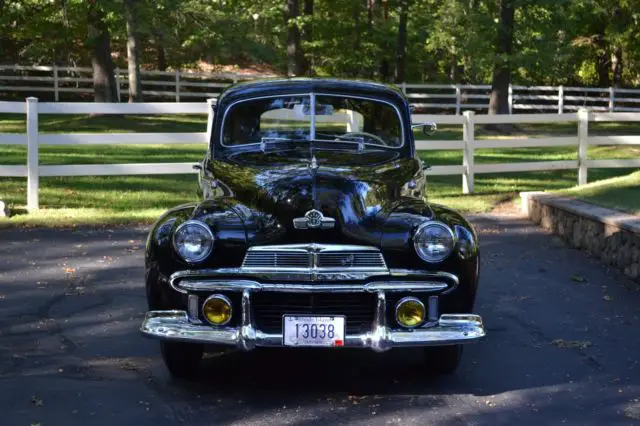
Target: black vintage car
313, 230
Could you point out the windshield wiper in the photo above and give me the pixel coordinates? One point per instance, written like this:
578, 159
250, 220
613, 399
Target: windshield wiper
274, 140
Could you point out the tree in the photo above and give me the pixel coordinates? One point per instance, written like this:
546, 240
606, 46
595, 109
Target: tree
499, 101
307, 36
99, 44
401, 46
295, 66
133, 42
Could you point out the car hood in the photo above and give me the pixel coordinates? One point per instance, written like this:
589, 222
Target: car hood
269, 198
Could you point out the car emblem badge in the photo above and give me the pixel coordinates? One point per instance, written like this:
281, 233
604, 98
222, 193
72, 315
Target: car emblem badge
314, 219
348, 261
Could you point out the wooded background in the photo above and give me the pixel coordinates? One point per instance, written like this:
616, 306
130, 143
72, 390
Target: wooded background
528, 42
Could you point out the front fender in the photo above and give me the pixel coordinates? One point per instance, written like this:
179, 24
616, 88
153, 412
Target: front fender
397, 246
225, 224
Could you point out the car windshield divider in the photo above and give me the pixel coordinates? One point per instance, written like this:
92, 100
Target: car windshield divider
312, 134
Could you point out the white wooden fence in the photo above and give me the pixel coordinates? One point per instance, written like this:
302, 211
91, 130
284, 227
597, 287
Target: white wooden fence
450, 98
468, 169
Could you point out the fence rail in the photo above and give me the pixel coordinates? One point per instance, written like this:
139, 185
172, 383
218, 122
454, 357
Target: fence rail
68, 83
468, 169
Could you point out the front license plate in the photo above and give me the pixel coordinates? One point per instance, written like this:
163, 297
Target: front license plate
313, 331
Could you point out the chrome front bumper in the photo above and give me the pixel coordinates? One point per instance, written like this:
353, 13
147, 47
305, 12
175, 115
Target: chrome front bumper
448, 329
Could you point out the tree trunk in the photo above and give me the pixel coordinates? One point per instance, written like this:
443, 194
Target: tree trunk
499, 100
161, 56
307, 36
603, 61
385, 62
401, 47
456, 72
617, 66
98, 41
295, 58
133, 57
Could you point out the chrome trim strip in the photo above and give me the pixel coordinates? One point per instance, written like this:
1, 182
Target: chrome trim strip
242, 285
314, 247
450, 329
238, 276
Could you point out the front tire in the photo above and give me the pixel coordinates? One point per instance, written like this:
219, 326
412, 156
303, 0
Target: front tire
443, 359
182, 359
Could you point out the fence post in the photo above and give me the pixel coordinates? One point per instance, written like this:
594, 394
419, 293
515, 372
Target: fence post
468, 131
510, 99
560, 99
583, 144
458, 99
612, 98
210, 114
403, 87
33, 177
118, 83
178, 86
56, 94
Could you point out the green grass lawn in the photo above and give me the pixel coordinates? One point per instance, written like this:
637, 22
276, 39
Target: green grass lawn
67, 201
622, 192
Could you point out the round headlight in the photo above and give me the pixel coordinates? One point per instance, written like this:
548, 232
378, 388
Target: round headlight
433, 241
193, 241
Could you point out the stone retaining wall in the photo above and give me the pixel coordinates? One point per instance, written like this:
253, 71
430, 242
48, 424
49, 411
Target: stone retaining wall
610, 235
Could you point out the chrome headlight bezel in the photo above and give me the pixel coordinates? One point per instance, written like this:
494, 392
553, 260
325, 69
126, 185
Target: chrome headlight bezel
420, 250
201, 226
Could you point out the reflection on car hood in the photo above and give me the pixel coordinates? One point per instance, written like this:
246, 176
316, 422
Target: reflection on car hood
358, 197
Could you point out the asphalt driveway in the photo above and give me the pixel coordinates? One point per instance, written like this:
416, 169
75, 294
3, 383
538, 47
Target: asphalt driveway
563, 346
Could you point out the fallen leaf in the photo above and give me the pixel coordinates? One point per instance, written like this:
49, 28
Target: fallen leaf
579, 279
633, 412
571, 344
36, 401
607, 298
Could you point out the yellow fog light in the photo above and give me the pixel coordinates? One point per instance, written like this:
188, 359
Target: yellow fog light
217, 309
410, 312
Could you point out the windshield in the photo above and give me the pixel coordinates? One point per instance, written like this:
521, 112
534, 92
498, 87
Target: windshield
332, 119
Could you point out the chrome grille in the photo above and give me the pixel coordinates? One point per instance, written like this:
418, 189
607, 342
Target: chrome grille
351, 260
313, 257
275, 259
270, 307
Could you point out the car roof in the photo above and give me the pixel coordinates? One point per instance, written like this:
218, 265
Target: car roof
277, 86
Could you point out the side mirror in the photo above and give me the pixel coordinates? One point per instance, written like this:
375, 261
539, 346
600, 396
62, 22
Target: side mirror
427, 128
197, 166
